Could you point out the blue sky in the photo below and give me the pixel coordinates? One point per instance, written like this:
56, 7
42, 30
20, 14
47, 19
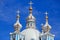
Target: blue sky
8, 10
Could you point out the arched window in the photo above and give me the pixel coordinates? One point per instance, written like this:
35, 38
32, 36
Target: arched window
23, 38
30, 24
13, 38
32, 39
39, 38
20, 39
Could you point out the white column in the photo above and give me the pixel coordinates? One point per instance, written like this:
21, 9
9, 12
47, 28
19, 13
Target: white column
10, 36
22, 38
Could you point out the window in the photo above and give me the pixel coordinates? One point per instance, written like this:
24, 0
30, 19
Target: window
39, 38
13, 38
23, 38
50, 39
32, 39
20, 39
31, 24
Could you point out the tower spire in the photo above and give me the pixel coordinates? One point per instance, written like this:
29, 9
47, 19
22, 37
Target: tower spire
30, 9
46, 18
17, 25
46, 27
30, 18
18, 15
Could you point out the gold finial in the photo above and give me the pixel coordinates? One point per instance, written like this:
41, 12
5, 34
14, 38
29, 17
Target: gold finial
46, 17
30, 7
18, 14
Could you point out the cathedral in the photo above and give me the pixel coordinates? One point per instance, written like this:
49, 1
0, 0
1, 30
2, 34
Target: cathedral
31, 33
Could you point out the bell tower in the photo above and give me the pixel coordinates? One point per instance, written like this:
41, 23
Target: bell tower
16, 35
46, 35
46, 27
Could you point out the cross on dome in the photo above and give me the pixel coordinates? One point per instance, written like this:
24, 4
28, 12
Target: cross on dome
42, 24
46, 17
30, 3
18, 16
30, 9
18, 11
46, 13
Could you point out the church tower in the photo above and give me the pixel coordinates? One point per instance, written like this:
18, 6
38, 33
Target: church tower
31, 18
46, 27
46, 35
31, 33
16, 35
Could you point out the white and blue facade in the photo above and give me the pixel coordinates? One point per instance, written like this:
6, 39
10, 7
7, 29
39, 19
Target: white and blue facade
47, 36
16, 36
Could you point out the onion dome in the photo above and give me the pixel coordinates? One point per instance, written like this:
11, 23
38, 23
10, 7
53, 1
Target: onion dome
17, 25
46, 27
